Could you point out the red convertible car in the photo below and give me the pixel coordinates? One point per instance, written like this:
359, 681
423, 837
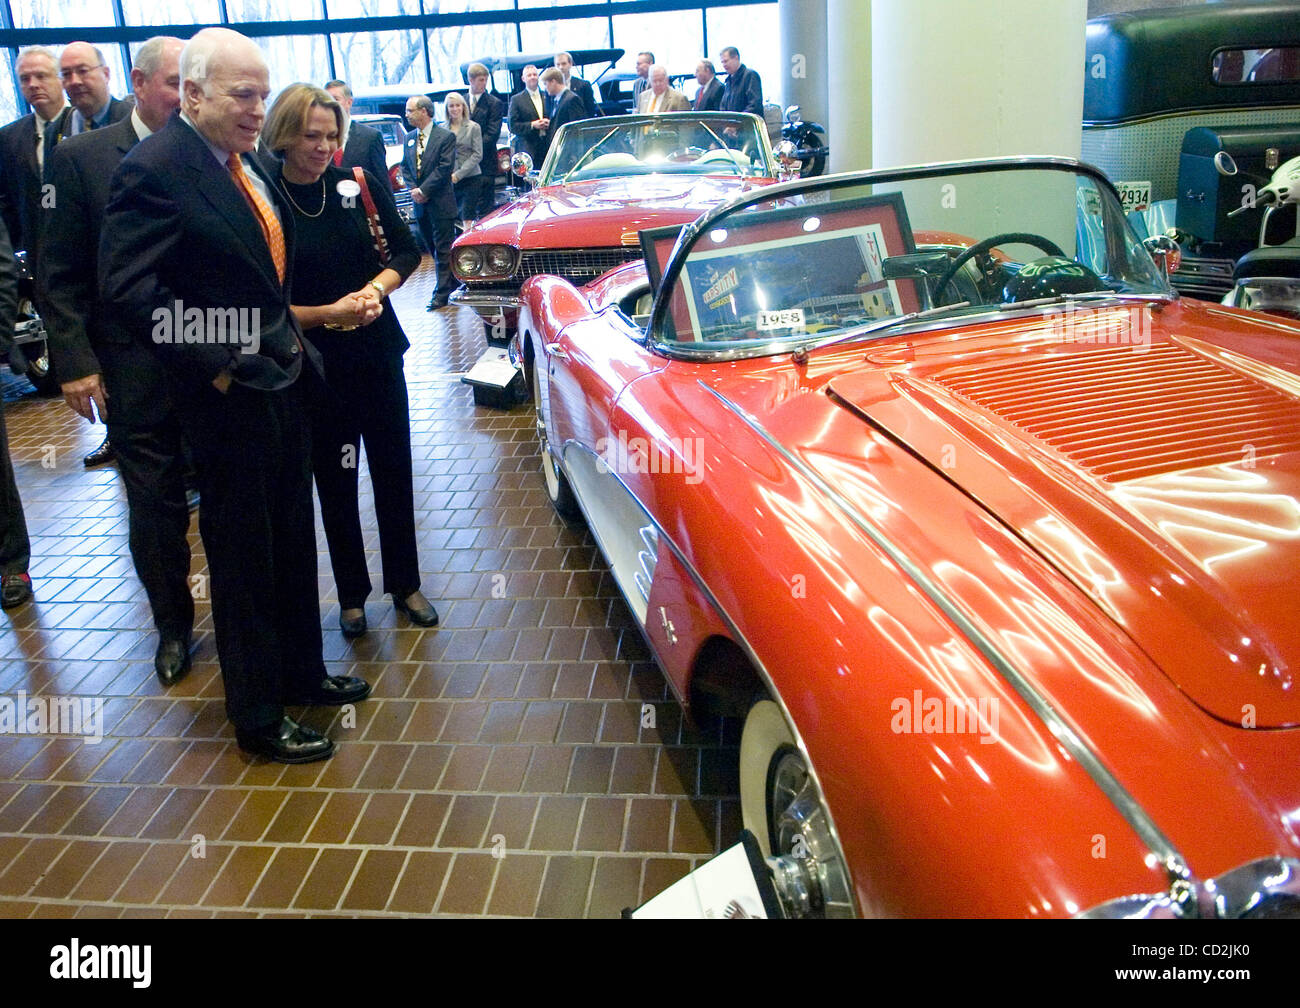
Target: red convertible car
603, 181
991, 538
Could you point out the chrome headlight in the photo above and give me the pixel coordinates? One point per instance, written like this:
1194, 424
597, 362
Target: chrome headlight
484, 262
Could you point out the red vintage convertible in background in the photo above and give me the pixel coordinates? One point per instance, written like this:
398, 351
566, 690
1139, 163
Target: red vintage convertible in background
991, 537
604, 181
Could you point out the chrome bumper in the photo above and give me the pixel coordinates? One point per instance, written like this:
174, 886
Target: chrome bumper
492, 304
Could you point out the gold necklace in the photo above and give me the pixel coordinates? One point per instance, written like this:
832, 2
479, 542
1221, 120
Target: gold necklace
295, 202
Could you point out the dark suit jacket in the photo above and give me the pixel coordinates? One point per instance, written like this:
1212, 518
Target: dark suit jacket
568, 109
118, 109
179, 235
586, 95
437, 162
522, 115
20, 181
84, 338
709, 98
743, 93
488, 112
365, 149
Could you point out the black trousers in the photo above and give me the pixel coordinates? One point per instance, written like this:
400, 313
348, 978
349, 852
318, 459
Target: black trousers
15, 546
252, 456
469, 197
367, 405
437, 233
152, 463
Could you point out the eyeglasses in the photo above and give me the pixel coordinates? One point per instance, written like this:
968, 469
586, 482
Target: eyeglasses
78, 71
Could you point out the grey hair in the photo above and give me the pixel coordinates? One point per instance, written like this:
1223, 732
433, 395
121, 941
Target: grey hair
149, 57
341, 85
424, 102
37, 50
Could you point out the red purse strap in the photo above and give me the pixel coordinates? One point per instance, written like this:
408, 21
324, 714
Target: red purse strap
372, 218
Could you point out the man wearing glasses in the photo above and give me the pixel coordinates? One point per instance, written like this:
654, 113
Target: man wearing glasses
85, 82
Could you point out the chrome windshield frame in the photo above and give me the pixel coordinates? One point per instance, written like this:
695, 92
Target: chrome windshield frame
721, 352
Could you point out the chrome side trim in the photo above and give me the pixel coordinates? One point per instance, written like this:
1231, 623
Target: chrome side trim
1142, 824
737, 637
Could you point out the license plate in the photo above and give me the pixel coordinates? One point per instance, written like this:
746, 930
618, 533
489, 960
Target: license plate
1134, 195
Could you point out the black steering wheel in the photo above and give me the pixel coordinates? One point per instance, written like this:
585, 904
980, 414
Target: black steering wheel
983, 248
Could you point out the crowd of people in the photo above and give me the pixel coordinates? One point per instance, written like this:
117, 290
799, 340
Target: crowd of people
202, 265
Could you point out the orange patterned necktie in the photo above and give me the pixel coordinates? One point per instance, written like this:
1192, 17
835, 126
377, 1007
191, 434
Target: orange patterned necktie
271, 229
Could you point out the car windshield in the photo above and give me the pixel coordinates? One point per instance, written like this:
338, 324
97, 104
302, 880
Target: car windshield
680, 143
836, 257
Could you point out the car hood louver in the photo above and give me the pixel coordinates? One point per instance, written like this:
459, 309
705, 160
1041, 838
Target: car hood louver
1163, 478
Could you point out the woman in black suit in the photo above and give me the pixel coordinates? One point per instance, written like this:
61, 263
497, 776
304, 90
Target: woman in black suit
339, 288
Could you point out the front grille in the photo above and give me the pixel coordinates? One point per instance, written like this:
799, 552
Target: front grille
578, 266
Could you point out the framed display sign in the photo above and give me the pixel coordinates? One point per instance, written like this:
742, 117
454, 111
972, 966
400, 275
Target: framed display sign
791, 271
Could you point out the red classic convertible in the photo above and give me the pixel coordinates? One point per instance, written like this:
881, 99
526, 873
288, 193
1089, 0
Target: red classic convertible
991, 537
603, 181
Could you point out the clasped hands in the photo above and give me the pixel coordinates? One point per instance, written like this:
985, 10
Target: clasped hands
359, 308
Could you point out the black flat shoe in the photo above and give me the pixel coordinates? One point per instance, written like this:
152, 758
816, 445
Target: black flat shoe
15, 589
172, 660
424, 616
333, 691
102, 454
352, 626
286, 742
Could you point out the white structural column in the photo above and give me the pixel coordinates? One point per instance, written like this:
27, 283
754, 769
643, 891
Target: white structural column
803, 57
848, 84
954, 79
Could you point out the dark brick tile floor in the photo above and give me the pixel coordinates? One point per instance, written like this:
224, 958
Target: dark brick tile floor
500, 767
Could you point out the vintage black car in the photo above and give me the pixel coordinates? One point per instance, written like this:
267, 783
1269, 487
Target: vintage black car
1164, 91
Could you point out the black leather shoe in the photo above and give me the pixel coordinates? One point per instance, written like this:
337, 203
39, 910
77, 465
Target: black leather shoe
102, 454
439, 301
352, 626
424, 616
172, 660
286, 742
15, 589
333, 691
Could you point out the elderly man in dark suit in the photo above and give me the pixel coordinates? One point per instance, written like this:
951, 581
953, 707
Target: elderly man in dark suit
363, 147
709, 97
22, 148
195, 257
85, 78
487, 110
428, 162
102, 366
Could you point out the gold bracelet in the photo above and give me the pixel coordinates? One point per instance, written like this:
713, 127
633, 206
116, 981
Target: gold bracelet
379, 287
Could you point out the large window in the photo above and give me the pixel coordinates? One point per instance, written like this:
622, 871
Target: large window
415, 52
